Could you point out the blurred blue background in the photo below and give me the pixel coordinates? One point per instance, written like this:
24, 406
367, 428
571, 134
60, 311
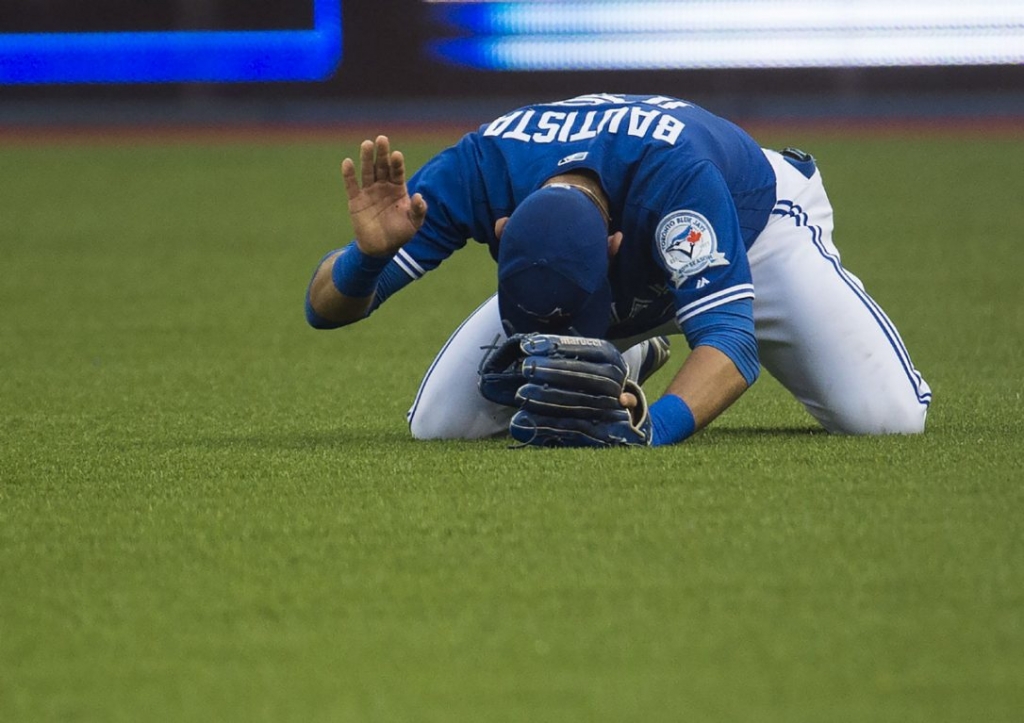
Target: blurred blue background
64, 62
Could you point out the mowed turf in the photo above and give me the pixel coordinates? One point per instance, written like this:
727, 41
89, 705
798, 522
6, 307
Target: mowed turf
209, 511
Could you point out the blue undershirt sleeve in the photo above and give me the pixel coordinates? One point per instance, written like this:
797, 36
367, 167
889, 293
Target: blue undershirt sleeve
392, 279
730, 329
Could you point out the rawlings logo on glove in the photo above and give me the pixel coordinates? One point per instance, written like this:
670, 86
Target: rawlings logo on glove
567, 390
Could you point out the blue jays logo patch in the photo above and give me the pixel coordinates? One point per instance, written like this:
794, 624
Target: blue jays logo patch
688, 245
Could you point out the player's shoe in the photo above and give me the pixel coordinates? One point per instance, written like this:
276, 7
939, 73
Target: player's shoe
655, 356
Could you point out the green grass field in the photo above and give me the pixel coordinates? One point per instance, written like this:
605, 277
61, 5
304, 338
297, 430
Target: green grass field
209, 511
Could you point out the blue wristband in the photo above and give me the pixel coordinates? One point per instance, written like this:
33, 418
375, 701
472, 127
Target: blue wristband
671, 421
355, 274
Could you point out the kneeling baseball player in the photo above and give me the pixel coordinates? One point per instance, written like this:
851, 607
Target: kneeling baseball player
616, 221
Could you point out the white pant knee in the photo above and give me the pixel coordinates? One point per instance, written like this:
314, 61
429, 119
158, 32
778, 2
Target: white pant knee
819, 332
876, 416
449, 404
447, 418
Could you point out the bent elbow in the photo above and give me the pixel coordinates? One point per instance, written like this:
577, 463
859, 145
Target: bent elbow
317, 321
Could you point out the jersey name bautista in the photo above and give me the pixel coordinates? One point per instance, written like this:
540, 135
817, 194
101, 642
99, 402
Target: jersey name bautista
567, 126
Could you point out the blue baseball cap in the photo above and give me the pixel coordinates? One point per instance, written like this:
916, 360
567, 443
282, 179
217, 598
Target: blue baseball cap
553, 266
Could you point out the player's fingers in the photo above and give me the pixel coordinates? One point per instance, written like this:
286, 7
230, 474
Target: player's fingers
380, 166
628, 400
397, 170
499, 226
614, 242
348, 175
418, 210
366, 162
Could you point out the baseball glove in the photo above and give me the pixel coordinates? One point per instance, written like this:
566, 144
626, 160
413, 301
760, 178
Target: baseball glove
567, 390
501, 374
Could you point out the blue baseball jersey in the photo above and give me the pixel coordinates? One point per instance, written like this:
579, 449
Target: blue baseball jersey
689, 191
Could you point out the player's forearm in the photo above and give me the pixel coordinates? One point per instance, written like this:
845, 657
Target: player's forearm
708, 382
327, 304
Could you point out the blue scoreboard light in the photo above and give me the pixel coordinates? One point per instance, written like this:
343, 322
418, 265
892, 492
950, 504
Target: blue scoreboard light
559, 35
307, 53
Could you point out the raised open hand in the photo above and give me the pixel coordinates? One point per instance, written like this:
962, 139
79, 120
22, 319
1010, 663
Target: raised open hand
384, 216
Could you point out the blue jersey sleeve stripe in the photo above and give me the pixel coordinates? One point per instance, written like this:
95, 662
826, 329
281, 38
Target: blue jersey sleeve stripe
416, 267
718, 294
682, 319
735, 293
404, 266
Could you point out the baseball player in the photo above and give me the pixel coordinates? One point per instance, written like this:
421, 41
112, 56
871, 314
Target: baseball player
621, 219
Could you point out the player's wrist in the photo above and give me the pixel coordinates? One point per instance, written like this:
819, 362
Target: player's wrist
671, 421
379, 250
355, 273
